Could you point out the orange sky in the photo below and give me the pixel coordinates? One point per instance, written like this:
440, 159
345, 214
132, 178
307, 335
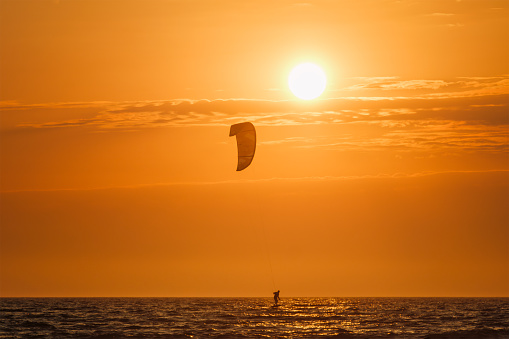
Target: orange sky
118, 177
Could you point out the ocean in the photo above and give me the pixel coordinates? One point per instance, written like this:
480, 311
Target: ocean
254, 318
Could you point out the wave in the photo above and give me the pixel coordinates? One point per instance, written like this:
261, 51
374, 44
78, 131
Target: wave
250, 317
473, 334
37, 324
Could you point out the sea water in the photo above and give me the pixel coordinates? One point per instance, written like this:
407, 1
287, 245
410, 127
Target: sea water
254, 318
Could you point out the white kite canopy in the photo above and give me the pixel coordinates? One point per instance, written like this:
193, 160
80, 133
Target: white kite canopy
246, 143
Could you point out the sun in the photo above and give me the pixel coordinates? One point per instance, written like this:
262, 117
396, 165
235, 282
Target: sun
307, 81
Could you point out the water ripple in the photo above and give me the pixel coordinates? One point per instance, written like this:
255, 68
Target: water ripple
254, 317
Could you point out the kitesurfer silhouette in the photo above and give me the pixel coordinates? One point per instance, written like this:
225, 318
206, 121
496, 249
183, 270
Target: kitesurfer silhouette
276, 297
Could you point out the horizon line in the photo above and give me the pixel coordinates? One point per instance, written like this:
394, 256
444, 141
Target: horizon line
268, 297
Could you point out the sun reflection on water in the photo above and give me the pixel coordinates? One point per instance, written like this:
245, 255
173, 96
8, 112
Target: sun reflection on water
255, 317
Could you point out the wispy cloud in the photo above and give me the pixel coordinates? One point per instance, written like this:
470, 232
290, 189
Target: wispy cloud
415, 84
489, 110
457, 87
471, 115
427, 137
440, 14
379, 176
392, 84
412, 95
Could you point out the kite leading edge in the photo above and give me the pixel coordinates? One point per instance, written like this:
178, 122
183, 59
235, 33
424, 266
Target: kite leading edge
246, 143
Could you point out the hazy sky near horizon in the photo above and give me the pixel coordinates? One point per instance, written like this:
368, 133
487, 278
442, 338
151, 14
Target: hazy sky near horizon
118, 177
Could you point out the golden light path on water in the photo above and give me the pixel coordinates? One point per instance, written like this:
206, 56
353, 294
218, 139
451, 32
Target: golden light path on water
255, 317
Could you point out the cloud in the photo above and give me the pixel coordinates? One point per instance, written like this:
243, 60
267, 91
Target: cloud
433, 137
486, 110
427, 88
287, 140
384, 92
468, 114
439, 14
328, 178
415, 84
389, 83
455, 25
16, 106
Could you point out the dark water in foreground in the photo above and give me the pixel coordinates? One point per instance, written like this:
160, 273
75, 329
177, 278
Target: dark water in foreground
254, 317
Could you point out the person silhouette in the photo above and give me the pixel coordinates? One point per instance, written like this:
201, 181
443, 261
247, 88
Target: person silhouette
276, 297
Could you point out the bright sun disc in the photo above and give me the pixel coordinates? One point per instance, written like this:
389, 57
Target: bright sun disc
307, 81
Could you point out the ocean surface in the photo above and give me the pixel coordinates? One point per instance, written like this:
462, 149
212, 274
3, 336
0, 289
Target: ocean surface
254, 318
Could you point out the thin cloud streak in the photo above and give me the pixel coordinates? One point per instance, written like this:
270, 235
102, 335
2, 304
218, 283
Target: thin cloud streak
399, 175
